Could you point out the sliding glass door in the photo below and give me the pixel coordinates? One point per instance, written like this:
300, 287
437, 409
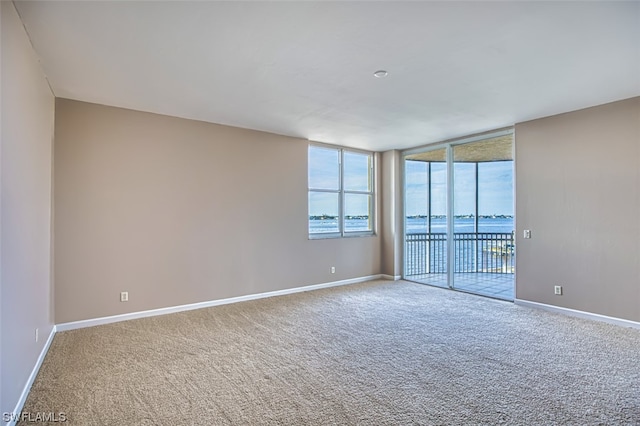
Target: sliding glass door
426, 249
459, 216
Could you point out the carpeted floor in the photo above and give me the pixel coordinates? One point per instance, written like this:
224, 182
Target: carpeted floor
377, 353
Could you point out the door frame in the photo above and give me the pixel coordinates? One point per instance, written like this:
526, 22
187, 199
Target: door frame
448, 145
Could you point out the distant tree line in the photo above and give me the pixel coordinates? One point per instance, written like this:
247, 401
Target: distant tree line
462, 216
331, 217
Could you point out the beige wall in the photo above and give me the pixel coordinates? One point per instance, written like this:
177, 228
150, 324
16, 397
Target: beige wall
27, 131
391, 212
578, 191
177, 211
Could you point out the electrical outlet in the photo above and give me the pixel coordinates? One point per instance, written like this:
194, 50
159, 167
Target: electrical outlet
333, 269
124, 296
557, 290
36, 335
527, 233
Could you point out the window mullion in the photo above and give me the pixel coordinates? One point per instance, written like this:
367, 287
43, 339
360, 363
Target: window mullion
341, 196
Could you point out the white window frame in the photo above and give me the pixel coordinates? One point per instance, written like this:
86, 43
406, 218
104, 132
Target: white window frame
342, 232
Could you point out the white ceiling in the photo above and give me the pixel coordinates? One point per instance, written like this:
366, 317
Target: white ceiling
305, 69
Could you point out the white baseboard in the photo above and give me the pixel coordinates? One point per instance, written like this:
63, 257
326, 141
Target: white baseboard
32, 377
579, 314
173, 309
392, 277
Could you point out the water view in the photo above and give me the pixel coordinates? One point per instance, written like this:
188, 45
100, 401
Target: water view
418, 224
497, 224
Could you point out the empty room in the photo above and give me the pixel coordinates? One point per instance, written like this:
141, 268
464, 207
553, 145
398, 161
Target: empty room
320, 213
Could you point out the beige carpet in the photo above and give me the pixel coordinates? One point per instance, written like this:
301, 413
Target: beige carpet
378, 353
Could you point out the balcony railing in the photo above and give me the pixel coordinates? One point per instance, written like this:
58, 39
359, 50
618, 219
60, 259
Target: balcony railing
474, 252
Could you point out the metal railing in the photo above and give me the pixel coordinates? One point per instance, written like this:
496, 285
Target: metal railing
474, 252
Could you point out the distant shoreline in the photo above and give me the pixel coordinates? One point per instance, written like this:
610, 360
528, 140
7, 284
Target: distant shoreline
463, 216
435, 216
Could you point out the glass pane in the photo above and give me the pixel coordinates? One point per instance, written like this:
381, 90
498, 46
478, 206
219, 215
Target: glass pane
357, 171
357, 210
425, 253
495, 196
324, 168
464, 196
416, 181
464, 216
323, 212
483, 220
438, 197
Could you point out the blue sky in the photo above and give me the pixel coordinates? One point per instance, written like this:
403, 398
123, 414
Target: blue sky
495, 182
495, 188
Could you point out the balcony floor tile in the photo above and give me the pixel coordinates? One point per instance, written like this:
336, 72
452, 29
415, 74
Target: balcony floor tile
500, 286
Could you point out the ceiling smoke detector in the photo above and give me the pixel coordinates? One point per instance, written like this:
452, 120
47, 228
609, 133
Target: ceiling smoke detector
380, 74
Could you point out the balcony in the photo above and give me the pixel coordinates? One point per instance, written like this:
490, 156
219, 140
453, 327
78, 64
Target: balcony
484, 262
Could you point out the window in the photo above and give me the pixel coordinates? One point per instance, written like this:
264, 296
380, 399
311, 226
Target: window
340, 192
